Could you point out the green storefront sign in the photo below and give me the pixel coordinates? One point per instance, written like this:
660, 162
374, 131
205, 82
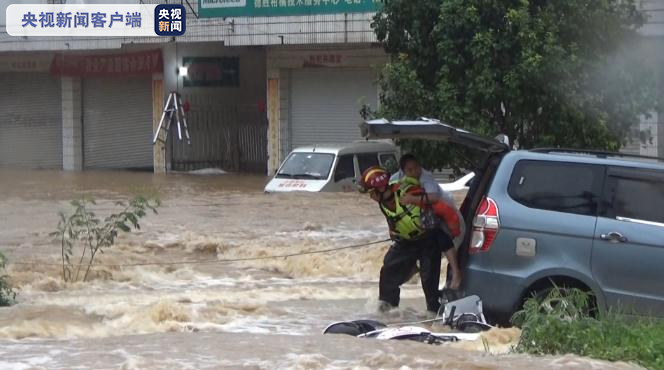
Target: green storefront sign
266, 8
211, 72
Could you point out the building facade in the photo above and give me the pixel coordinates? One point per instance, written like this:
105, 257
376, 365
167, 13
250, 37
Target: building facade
258, 84
647, 137
261, 80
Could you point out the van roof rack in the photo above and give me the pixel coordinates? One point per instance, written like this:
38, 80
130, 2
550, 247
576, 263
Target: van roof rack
597, 153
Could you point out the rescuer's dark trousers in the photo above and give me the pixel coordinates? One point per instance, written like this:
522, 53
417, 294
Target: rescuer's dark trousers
398, 266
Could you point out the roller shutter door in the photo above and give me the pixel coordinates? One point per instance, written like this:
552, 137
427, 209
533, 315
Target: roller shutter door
117, 123
31, 124
326, 102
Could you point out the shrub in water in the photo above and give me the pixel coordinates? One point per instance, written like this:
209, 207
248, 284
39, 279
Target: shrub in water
559, 323
7, 294
83, 227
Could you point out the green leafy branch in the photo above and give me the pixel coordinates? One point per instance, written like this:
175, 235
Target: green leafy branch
84, 228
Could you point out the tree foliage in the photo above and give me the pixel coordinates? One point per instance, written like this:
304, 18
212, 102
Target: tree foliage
546, 73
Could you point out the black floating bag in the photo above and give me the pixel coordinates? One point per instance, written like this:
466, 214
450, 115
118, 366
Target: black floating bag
354, 328
471, 323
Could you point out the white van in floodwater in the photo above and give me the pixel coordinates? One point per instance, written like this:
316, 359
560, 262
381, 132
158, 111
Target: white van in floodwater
331, 167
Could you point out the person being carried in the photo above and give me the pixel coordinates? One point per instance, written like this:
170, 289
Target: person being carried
412, 243
447, 234
410, 186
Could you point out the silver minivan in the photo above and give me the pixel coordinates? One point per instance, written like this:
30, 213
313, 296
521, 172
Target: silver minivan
547, 218
331, 167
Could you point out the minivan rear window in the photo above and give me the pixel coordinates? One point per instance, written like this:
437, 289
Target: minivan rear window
557, 186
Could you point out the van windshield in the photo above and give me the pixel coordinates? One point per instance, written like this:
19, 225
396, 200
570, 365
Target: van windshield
315, 166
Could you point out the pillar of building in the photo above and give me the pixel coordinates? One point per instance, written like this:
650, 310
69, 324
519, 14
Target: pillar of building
273, 125
158, 148
72, 124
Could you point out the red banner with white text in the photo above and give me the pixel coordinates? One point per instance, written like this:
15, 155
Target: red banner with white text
146, 62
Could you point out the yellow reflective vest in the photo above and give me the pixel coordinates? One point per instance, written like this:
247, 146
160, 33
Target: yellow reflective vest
404, 221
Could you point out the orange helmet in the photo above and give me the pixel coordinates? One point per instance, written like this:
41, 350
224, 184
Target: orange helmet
374, 177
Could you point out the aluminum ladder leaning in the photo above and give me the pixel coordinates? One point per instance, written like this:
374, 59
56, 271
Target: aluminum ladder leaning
173, 109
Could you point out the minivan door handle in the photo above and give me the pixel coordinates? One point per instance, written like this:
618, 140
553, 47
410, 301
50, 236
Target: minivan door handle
614, 237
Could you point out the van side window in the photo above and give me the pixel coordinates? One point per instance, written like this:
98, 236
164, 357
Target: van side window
389, 162
345, 168
557, 186
635, 194
366, 160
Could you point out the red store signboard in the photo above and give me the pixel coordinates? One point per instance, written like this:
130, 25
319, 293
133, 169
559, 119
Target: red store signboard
323, 60
24, 65
147, 62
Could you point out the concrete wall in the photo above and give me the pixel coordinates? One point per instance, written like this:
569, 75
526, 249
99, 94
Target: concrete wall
283, 120
252, 73
654, 10
647, 136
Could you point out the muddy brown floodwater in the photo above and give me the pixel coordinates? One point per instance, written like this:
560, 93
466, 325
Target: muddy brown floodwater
263, 314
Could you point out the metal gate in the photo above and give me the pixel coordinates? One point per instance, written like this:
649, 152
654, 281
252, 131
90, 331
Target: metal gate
326, 104
31, 124
233, 138
117, 123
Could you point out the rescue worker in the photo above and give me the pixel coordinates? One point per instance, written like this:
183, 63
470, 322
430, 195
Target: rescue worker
412, 243
409, 166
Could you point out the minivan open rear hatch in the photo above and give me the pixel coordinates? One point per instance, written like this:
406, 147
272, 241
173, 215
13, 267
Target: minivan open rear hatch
430, 129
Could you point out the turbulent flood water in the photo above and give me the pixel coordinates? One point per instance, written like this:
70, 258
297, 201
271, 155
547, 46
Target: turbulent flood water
262, 314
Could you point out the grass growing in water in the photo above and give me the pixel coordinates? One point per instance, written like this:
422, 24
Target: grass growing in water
559, 323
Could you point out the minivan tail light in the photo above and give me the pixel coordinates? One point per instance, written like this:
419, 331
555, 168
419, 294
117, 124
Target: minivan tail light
485, 226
